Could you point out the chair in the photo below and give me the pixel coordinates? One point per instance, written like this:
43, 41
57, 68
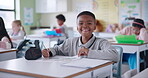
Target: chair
118, 64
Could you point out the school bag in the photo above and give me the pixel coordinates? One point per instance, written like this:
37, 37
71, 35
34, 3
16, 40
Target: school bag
34, 53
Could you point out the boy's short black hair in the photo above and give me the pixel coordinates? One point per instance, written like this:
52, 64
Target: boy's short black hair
87, 13
61, 17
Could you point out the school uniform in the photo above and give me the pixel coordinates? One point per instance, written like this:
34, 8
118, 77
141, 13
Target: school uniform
64, 30
19, 35
17, 38
98, 48
131, 58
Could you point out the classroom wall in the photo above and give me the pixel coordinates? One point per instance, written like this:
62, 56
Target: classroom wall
106, 11
28, 4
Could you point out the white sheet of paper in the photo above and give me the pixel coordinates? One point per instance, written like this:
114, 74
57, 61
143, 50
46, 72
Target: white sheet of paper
86, 63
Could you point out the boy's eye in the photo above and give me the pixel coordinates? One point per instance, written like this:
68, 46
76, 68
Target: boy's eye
89, 23
80, 23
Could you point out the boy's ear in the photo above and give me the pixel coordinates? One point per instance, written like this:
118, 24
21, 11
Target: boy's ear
95, 24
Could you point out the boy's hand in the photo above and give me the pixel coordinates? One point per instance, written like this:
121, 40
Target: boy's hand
83, 51
45, 53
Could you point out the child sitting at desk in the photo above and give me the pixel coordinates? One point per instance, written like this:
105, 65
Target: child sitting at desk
139, 30
5, 41
18, 31
60, 20
87, 44
17, 34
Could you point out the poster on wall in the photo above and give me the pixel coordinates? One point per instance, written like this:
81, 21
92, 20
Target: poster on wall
145, 12
129, 8
28, 16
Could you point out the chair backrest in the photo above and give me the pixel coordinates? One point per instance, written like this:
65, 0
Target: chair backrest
118, 64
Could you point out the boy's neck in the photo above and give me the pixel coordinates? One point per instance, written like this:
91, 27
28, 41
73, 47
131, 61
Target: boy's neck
85, 39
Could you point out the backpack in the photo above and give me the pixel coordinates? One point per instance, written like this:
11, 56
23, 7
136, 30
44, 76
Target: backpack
34, 53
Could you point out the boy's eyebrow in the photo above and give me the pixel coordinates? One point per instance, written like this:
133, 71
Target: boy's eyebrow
86, 21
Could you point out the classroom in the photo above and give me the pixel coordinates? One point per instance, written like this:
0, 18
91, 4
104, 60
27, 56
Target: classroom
73, 38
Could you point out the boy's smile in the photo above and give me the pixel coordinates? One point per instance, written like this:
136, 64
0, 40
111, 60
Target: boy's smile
86, 25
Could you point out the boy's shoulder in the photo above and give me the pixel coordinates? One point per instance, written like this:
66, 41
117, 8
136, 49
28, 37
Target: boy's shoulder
73, 39
100, 39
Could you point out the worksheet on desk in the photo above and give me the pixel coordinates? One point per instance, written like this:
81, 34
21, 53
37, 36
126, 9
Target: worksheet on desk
86, 63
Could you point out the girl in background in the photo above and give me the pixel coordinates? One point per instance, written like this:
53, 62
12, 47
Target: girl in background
5, 41
138, 28
18, 31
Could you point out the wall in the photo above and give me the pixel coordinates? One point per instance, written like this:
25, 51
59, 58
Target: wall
28, 4
106, 11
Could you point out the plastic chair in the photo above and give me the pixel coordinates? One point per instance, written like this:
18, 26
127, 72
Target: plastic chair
117, 66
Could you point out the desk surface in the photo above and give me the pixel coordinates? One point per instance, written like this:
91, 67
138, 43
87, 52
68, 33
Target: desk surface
44, 67
43, 36
7, 50
114, 43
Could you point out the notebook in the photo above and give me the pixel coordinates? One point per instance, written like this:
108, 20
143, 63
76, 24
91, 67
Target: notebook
86, 63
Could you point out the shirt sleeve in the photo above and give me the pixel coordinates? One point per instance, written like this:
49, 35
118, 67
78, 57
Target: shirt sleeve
62, 49
143, 35
6, 43
106, 52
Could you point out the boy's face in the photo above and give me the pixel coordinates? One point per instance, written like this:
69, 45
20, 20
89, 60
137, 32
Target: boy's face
86, 25
60, 22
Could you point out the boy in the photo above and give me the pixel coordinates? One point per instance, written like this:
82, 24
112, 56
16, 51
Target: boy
87, 44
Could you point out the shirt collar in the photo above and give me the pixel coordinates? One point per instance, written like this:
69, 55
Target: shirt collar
86, 45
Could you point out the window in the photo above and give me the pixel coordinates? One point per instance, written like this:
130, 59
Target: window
7, 12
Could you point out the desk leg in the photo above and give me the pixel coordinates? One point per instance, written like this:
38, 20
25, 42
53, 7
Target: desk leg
138, 60
49, 43
92, 74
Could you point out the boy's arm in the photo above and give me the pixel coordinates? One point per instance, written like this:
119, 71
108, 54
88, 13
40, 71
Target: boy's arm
107, 52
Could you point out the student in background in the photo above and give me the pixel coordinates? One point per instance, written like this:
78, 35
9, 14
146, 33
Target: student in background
60, 20
5, 41
18, 31
113, 28
137, 28
87, 44
99, 26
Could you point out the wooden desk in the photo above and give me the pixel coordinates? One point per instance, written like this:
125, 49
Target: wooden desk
53, 68
142, 74
132, 48
7, 54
